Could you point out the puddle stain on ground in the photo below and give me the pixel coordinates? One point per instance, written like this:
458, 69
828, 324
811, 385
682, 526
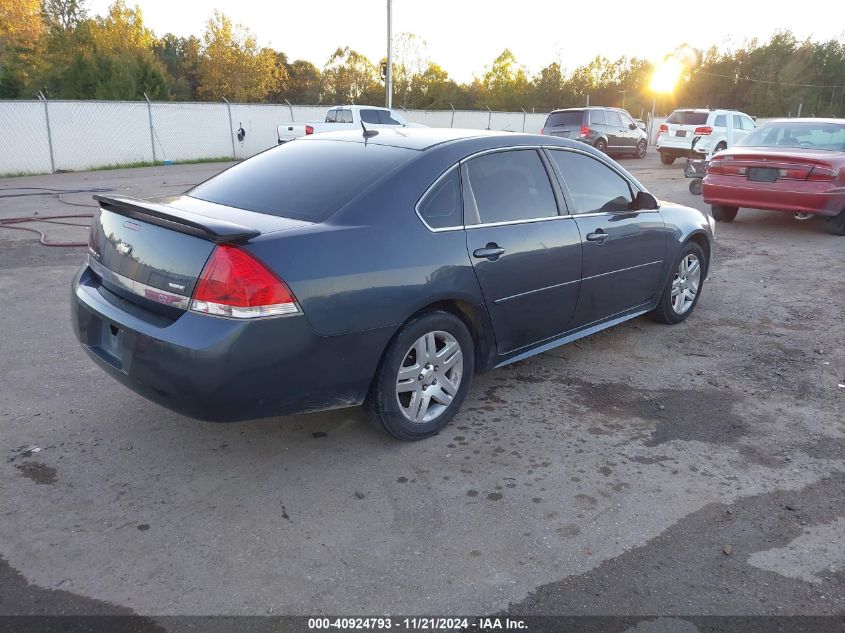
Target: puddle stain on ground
38, 472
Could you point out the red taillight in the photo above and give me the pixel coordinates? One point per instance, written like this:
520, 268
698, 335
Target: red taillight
663, 128
585, 131
308, 130
825, 174
233, 283
542, 130
704, 130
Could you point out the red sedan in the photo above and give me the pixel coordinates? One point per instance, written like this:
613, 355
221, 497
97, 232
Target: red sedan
793, 165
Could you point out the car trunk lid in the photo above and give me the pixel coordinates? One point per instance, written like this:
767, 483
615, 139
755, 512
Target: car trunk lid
152, 252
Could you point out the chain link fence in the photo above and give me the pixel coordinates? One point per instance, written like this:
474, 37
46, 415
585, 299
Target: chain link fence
45, 136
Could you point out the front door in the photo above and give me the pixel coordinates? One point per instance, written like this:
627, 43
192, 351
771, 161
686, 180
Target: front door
526, 255
623, 249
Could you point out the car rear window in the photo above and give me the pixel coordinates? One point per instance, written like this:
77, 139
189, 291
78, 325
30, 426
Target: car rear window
304, 179
687, 117
569, 118
806, 134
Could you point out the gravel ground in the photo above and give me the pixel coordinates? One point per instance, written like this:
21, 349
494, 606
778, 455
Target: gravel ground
654, 470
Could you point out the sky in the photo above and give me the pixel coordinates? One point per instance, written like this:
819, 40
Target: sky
464, 36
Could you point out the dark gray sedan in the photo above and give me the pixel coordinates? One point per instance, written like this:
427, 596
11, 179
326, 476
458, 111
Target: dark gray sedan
378, 269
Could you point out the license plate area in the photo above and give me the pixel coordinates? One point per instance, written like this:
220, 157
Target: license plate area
762, 174
680, 133
110, 345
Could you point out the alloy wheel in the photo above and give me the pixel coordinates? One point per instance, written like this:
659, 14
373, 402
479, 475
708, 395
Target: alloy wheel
686, 283
429, 377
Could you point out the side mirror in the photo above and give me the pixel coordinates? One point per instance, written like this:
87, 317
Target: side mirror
632, 126
645, 201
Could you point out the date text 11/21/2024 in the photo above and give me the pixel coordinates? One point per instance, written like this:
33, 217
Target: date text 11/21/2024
418, 624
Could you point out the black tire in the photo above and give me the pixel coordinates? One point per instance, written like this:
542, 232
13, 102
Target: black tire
723, 213
642, 147
695, 186
836, 224
601, 145
382, 404
664, 312
666, 159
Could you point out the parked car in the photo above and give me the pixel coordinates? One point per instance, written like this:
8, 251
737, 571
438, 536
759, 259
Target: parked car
609, 130
792, 165
347, 117
695, 133
384, 270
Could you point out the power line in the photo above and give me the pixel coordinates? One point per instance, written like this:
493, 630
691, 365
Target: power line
767, 81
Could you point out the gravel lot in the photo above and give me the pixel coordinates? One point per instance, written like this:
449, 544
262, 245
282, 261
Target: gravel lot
695, 469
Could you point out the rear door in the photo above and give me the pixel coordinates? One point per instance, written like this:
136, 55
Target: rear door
525, 253
623, 249
616, 137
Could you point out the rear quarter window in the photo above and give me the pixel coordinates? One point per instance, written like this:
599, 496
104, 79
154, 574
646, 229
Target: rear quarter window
304, 179
442, 207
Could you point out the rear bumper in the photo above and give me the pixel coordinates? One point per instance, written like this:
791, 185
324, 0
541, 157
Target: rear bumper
219, 369
819, 198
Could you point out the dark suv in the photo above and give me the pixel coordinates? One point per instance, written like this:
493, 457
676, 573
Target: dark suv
610, 130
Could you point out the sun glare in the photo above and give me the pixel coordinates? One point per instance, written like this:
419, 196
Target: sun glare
666, 76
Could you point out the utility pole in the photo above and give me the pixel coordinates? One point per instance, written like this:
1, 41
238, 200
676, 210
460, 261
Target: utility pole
623, 98
388, 83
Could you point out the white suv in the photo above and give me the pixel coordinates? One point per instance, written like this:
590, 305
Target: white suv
696, 133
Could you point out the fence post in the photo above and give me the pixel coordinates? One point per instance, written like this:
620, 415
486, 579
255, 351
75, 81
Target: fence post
291, 110
49, 132
231, 131
489, 117
524, 115
452, 122
152, 134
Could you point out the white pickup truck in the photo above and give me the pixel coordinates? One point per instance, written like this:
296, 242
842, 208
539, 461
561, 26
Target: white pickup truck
348, 117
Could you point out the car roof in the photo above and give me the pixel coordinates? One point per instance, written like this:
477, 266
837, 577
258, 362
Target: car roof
587, 108
358, 107
808, 120
408, 138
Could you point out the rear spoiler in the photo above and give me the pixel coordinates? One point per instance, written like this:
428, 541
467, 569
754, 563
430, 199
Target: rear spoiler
218, 231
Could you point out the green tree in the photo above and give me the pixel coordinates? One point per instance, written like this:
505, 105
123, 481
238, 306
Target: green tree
21, 28
232, 65
505, 83
304, 83
349, 77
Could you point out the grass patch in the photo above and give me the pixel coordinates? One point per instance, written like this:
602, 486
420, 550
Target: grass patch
110, 166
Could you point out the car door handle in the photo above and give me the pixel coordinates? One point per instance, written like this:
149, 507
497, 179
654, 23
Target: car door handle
599, 236
492, 252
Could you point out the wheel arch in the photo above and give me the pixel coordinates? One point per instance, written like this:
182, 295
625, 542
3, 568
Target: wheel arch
477, 321
701, 238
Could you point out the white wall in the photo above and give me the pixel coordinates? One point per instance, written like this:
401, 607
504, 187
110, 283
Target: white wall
88, 134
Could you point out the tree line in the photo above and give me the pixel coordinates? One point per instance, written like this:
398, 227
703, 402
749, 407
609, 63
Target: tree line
56, 48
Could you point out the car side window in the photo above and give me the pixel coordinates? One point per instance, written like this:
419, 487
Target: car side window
385, 118
346, 116
612, 118
720, 121
597, 117
331, 116
369, 116
511, 186
626, 120
737, 122
442, 206
594, 186
748, 123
